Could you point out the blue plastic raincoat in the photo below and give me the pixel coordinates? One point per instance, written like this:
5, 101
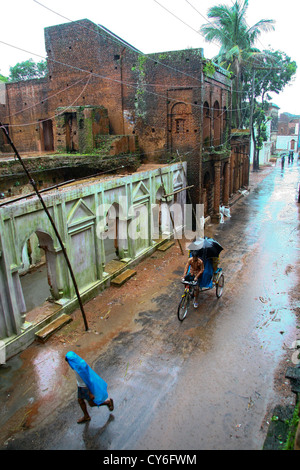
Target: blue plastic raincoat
96, 385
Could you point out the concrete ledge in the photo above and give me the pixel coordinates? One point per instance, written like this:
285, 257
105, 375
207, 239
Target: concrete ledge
19, 342
123, 277
45, 333
166, 246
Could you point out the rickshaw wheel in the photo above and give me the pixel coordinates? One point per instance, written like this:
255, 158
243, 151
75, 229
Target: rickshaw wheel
183, 307
220, 286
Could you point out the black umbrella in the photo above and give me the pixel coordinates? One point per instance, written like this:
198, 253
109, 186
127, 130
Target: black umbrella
206, 247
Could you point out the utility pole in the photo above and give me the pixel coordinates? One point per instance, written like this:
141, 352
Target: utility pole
251, 117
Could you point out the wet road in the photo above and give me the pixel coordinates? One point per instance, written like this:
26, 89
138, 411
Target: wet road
207, 383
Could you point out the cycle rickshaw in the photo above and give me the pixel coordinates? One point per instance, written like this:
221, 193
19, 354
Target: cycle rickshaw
208, 250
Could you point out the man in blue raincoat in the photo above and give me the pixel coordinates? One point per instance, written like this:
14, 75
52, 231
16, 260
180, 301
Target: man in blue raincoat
91, 387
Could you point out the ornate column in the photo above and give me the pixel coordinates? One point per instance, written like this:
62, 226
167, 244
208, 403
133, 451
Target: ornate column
217, 186
226, 184
232, 166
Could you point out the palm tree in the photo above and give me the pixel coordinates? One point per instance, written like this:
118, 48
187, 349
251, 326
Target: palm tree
236, 39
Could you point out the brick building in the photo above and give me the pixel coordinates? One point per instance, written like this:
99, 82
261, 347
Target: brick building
161, 105
288, 138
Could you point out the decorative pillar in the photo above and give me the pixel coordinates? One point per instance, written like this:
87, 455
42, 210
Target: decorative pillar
236, 171
217, 185
211, 113
241, 173
232, 166
204, 201
226, 184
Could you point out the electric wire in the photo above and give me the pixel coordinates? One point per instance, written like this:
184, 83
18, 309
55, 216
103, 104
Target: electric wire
44, 99
199, 32
101, 76
166, 97
55, 115
97, 75
117, 41
124, 83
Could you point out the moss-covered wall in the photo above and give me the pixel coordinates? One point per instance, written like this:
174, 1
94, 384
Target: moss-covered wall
79, 212
89, 123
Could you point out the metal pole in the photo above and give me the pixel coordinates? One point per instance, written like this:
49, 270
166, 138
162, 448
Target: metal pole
33, 194
52, 223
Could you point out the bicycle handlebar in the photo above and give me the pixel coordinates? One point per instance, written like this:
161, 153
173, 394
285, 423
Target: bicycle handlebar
190, 283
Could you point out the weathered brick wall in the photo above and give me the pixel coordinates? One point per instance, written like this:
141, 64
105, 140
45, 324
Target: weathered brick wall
26, 105
167, 107
156, 98
4, 146
86, 48
3, 116
168, 85
91, 123
143, 95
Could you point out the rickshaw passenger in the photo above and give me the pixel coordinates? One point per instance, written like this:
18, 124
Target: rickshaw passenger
192, 272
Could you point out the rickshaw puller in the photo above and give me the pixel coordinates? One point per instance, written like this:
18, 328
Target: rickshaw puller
196, 266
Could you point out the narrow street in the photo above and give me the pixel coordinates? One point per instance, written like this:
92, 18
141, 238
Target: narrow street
210, 382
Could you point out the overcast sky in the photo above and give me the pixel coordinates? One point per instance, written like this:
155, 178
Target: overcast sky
148, 26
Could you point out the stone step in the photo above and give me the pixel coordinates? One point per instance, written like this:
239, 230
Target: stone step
45, 333
123, 277
166, 246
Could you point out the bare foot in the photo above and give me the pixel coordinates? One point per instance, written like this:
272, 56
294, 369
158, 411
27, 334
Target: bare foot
84, 419
111, 404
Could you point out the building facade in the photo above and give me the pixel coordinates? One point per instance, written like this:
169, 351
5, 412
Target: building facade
288, 134
107, 220
103, 97
98, 86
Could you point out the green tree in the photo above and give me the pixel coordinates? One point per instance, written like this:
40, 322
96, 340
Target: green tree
229, 29
270, 72
3, 79
27, 70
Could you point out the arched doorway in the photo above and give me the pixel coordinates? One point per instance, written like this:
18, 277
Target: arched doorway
157, 215
72, 143
46, 134
111, 236
32, 254
38, 275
